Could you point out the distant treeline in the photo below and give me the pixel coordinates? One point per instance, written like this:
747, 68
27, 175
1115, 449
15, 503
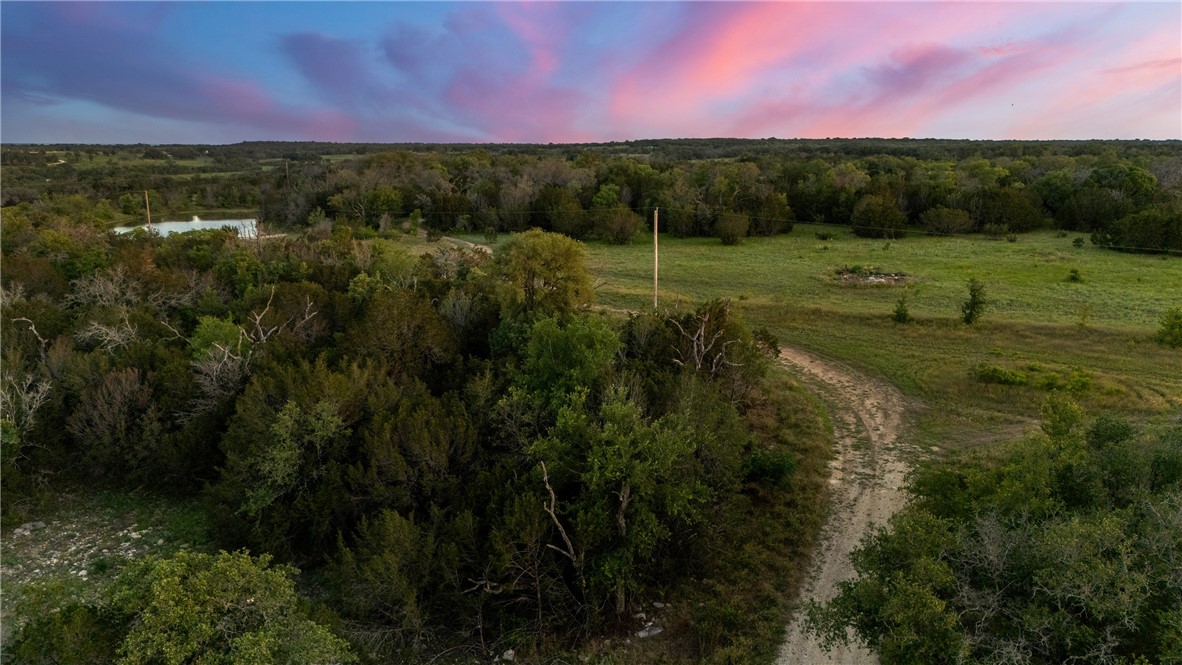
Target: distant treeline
1126, 194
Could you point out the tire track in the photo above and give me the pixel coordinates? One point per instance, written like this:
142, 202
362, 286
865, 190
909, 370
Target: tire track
867, 476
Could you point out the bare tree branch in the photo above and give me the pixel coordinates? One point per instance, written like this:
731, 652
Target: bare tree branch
20, 400
110, 337
569, 552
33, 329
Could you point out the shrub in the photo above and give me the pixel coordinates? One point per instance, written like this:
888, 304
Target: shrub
1169, 332
878, 217
772, 470
824, 235
766, 341
942, 221
193, 608
995, 231
1078, 242
1154, 230
1074, 276
617, 224
999, 375
901, 314
731, 227
974, 307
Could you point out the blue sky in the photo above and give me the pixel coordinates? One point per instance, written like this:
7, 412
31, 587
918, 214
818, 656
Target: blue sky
219, 72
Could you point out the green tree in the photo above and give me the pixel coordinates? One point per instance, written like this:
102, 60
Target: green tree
545, 274
617, 224
1053, 553
773, 216
214, 332
1154, 230
974, 307
561, 359
191, 608
638, 482
732, 227
1169, 331
562, 213
943, 221
227, 608
878, 216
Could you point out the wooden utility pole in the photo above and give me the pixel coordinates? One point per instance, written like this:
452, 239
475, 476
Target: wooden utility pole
148, 208
656, 211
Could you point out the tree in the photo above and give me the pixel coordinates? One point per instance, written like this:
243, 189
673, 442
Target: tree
545, 274
878, 216
773, 216
1019, 210
561, 212
1169, 332
731, 227
636, 482
561, 359
192, 608
1153, 230
1054, 553
400, 330
617, 224
974, 307
942, 221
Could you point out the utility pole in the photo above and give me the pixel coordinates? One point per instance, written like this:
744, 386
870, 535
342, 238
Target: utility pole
148, 208
656, 211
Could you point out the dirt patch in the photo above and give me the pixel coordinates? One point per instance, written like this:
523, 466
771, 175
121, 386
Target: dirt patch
868, 473
869, 276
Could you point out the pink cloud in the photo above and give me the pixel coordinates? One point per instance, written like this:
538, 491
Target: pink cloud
1139, 90
779, 53
722, 50
902, 111
235, 97
542, 29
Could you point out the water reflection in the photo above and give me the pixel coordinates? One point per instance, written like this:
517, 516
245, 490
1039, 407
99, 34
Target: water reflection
244, 227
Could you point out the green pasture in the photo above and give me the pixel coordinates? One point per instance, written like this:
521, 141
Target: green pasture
1026, 280
1038, 322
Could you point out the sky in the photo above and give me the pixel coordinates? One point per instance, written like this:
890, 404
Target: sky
572, 72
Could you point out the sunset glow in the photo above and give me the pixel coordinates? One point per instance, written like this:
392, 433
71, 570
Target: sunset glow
575, 72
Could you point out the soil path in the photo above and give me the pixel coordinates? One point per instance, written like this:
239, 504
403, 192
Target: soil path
867, 477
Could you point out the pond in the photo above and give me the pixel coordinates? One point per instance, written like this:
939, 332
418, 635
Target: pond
245, 227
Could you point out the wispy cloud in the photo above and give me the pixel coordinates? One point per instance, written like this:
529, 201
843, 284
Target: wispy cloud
603, 71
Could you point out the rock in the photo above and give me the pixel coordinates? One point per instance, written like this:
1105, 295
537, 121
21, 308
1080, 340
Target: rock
640, 615
649, 631
509, 655
135, 535
659, 605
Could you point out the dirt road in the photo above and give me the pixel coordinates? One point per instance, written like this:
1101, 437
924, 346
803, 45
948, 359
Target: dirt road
867, 476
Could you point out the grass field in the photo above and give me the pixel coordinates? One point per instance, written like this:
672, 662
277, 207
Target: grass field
1038, 322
